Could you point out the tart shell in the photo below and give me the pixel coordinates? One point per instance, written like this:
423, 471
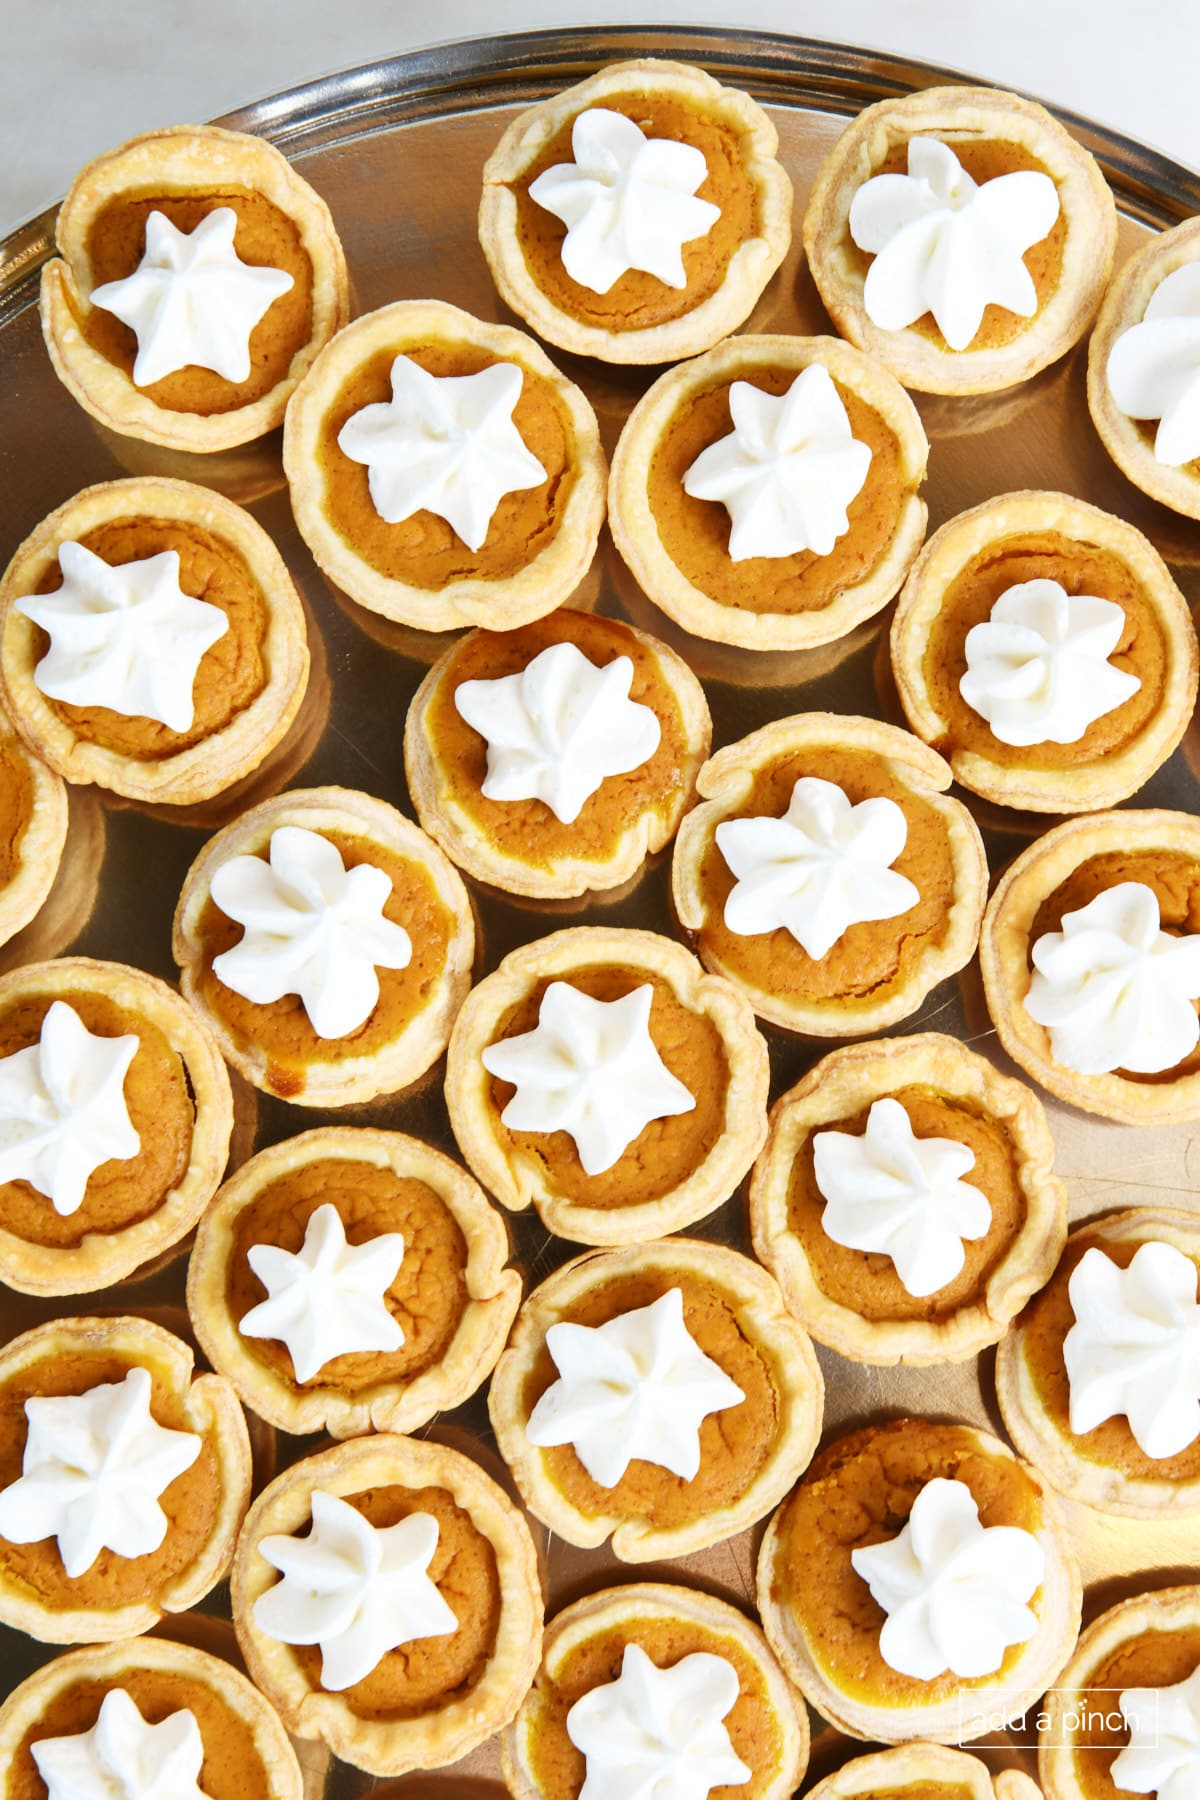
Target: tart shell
891, 1774
42, 841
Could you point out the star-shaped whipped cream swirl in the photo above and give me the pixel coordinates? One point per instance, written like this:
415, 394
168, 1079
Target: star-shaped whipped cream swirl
948, 245
901, 1196
635, 1389
445, 444
1115, 991
124, 1758
787, 471
658, 1734
356, 1589
124, 636
590, 1068
1154, 367
1134, 1349
559, 728
94, 1470
1163, 1753
327, 1298
313, 928
62, 1108
824, 866
627, 201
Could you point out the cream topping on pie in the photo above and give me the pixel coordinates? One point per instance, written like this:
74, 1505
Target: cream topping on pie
657, 1734
1154, 367
1134, 1349
1163, 1753
123, 1757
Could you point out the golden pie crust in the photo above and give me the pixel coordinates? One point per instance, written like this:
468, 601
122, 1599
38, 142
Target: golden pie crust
521, 846
100, 1255
640, 86
934, 1771
251, 681
460, 590
808, 741
183, 161
768, 1729
273, 1046
752, 1310
33, 832
881, 409
1044, 532
732, 1088
72, 896
1132, 843
451, 1217
367, 1731
1029, 1213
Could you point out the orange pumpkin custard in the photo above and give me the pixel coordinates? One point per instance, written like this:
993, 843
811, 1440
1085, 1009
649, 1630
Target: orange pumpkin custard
33, 832
923, 1772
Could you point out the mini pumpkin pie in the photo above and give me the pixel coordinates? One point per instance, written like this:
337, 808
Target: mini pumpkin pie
906, 1200
660, 1394
919, 1583
601, 1076
923, 1772
644, 1687
123, 1480
438, 1626
638, 216
328, 943
1041, 646
827, 873
33, 832
116, 1115
151, 640
962, 236
350, 1280
442, 471
554, 759
766, 494
1091, 964
197, 279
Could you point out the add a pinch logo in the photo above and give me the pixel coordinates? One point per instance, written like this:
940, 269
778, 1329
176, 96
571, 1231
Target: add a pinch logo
1128, 1720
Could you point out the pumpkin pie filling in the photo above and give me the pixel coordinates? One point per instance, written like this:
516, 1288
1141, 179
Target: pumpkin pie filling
265, 236
16, 808
1156, 1659
920, 1790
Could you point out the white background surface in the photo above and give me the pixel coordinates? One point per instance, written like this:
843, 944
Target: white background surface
82, 75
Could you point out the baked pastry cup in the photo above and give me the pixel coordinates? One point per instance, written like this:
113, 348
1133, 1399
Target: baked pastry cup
1010, 315
975, 618
708, 282
368, 1046
567, 813
946, 1289
689, 1082
123, 1173
678, 544
433, 1695
727, 1319
33, 832
369, 1346
185, 175
533, 539
876, 971
907, 1770
747, 1711
223, 660
824, 1624
1105, 858
181, 1439
1151, 450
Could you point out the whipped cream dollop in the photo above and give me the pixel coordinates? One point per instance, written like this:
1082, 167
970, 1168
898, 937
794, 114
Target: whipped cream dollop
62, 1108
192, 301
94, 1469
356, 1589
312, 928
123, 1757
558, 728
627, 201
954, 1590
1154, 367
635, 1389
787, 471
1163, 1753
445, 444
824, 866
1134, 1349
327, 1298
1038, 668
901, 1196
1113, 990
948, 245
590, 1068
658, 1734
124, 636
